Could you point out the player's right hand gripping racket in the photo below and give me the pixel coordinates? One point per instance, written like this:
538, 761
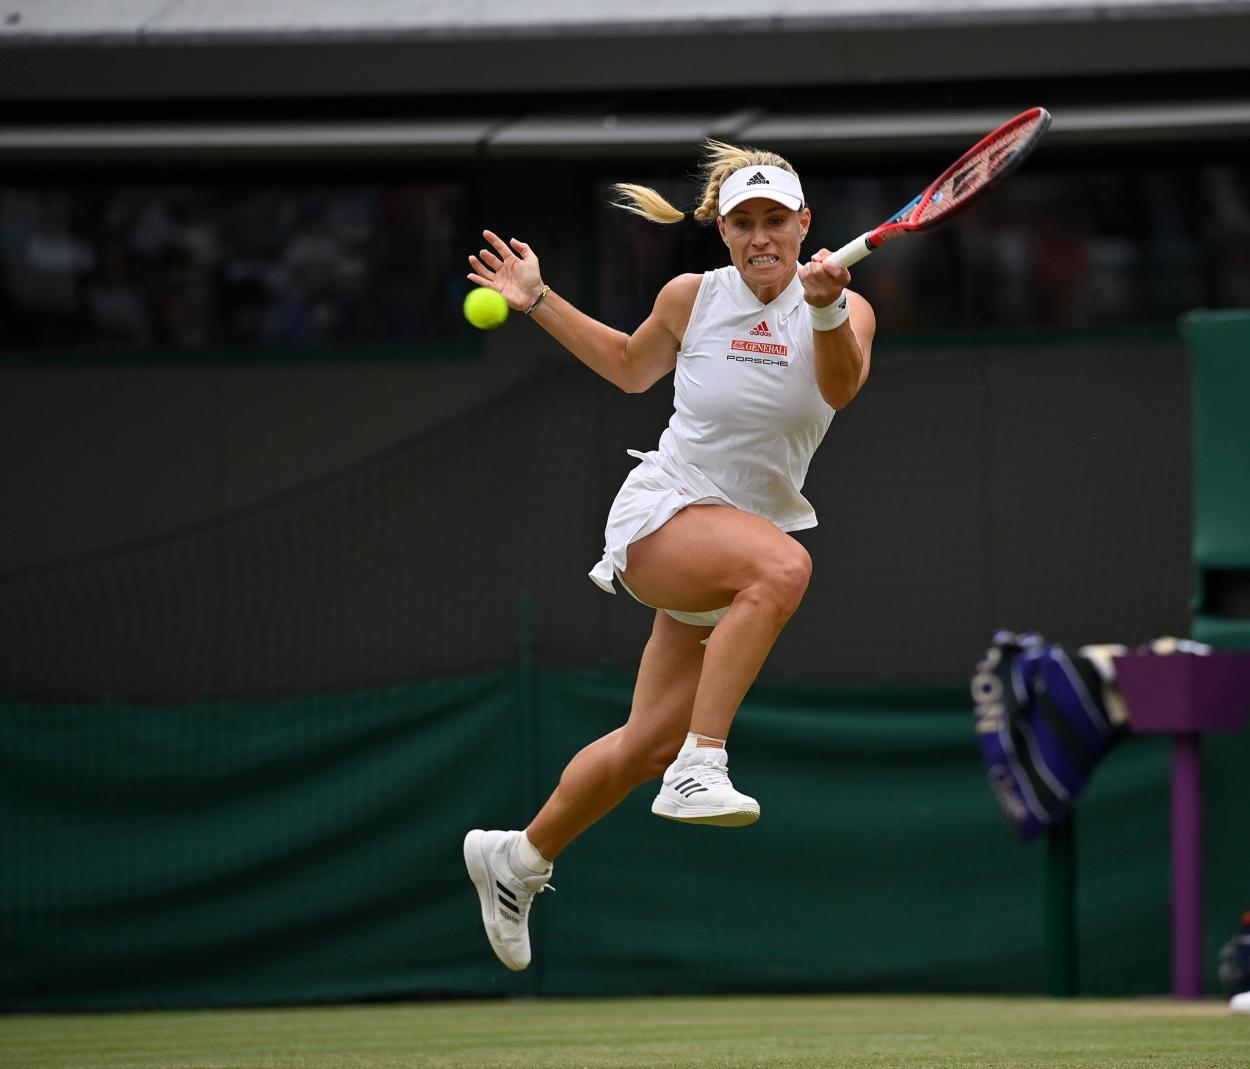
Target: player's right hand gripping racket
981, 168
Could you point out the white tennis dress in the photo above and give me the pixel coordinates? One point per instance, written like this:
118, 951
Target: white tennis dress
747, 418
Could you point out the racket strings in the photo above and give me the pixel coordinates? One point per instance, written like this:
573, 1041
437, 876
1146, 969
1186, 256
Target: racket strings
981, 168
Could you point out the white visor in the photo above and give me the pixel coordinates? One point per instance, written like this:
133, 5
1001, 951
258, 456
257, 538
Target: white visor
771, 183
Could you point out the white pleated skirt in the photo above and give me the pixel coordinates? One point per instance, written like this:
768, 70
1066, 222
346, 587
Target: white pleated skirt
652, 494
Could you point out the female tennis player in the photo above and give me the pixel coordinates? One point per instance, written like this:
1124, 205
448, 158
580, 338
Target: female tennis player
765, 350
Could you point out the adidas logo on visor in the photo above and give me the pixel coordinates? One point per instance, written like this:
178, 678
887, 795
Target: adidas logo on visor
770, 183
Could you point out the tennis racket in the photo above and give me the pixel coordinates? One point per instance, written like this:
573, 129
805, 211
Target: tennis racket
978, 170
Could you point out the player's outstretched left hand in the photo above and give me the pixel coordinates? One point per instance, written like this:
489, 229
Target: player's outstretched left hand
511, 268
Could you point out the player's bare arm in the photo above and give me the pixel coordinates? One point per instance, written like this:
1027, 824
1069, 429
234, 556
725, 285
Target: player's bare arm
651, 352
841, 357
631, 362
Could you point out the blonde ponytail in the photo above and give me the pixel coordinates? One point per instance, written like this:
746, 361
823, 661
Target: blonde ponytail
720, 161
645, 201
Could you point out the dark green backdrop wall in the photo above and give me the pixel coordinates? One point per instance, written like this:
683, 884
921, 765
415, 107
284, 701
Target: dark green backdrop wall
243, 737
309, 848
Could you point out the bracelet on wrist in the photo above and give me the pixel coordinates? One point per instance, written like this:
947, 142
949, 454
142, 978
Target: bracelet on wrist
831, 316
538, 300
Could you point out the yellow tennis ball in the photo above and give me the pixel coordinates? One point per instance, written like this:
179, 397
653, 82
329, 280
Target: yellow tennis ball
485, 308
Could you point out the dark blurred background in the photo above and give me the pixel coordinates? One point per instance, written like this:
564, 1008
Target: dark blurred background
259, 464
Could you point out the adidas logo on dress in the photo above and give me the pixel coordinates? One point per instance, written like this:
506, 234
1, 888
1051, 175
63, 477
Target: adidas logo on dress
758, 179
761, 331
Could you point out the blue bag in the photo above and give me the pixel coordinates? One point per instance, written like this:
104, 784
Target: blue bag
1042, 722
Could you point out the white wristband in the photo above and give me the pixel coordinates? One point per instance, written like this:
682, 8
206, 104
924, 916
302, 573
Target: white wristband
831, 316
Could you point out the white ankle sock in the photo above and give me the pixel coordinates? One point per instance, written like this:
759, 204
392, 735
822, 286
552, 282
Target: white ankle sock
529, 856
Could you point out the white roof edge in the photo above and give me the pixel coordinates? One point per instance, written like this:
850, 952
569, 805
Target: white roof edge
555, 134
158, 22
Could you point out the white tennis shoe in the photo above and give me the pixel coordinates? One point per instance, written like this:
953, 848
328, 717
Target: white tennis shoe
696, 790
506, 889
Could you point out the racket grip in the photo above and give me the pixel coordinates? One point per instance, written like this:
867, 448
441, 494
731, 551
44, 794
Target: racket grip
853, 251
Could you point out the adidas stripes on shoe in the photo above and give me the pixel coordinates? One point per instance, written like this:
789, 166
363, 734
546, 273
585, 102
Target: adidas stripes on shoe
696, 790
506, 888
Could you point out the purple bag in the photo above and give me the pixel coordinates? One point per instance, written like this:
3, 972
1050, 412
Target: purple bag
1042, 724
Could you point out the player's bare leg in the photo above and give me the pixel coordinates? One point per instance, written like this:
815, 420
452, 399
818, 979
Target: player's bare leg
708, 557
603, 773
508, 868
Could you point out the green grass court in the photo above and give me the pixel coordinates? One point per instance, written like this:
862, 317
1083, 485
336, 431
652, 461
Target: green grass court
869, 1032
